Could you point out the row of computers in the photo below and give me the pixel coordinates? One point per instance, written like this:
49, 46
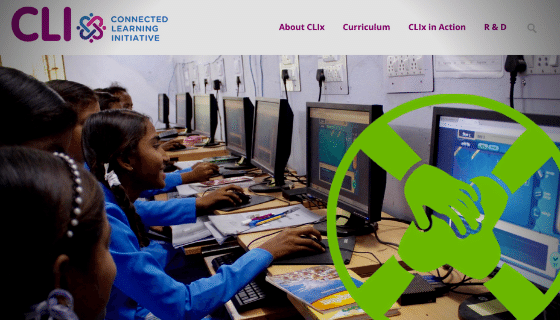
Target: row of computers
465, 144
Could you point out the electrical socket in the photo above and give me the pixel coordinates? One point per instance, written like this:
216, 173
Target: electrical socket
218, 73
238, 72
542, 64
193, 76
206, 78
336, 75
290, 63
405, 65
409, 73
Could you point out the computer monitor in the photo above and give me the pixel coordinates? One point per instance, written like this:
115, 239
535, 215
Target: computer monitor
183, 111
469, 143
272, 141
206, 117
331, 129
238, 124
163, 109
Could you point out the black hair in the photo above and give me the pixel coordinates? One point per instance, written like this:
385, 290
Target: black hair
107, 136
31, 109
106, 99
76, 94
39, 187
114, 88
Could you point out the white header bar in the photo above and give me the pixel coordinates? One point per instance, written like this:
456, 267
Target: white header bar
175, 27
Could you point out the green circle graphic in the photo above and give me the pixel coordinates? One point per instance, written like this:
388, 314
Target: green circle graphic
380, 291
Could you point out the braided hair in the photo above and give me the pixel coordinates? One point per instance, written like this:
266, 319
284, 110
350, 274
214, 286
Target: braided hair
106, 136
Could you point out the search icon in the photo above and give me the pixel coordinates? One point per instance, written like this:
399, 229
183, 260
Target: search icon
531, 27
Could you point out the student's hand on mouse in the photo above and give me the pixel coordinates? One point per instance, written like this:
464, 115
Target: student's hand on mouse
168, 145
289, 241
206, 165
221, 195
200, 172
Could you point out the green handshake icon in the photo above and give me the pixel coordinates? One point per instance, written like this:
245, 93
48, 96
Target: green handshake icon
430, 242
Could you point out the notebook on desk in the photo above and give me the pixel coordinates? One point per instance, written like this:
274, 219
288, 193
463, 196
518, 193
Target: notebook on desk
345, 244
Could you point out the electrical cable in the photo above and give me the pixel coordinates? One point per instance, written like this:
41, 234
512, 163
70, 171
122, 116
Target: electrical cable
320, 78
364, 252
286, 89
262, 79
389, 244
513, 65
238, 84
446, 275
266, 235
252, 76
397, 219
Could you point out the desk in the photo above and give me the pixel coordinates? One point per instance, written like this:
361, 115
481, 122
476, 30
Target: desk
197, 154
444, 308
362, 264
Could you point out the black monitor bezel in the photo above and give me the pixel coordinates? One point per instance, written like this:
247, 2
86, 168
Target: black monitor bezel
478, 114
286, 118
373, 214
188, 111
165, 110
248, 113
213, 116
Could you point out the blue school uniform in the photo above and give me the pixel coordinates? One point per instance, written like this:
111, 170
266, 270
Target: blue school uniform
172, 180
142, 286
159, 210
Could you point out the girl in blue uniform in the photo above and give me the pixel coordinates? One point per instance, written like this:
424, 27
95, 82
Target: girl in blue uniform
85, 102
122, 150
59, 238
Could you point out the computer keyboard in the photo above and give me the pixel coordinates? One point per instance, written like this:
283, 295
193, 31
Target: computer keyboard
252, 295
175, 195
222, 159
168, 134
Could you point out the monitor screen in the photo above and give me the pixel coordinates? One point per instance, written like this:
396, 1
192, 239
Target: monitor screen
266, 134
181, 109
235, 126
470, 143
331, 129
202, 124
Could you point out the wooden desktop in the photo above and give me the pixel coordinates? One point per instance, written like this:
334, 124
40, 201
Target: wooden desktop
364, 265
445, 307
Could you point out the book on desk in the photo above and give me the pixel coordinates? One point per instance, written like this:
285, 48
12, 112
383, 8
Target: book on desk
317, 293
318, 287
349, 313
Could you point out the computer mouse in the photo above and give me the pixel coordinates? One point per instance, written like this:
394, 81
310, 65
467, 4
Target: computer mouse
314, 239
178, 147
244, 198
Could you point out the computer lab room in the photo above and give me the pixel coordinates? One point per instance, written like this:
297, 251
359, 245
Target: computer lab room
441, 172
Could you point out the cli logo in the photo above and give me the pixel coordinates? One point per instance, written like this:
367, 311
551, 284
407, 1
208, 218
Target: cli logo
45, 31
90, 27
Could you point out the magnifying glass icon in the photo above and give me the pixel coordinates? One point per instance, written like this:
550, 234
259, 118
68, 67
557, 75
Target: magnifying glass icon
531, 27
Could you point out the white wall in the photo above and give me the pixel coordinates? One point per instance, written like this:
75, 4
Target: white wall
145, 76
